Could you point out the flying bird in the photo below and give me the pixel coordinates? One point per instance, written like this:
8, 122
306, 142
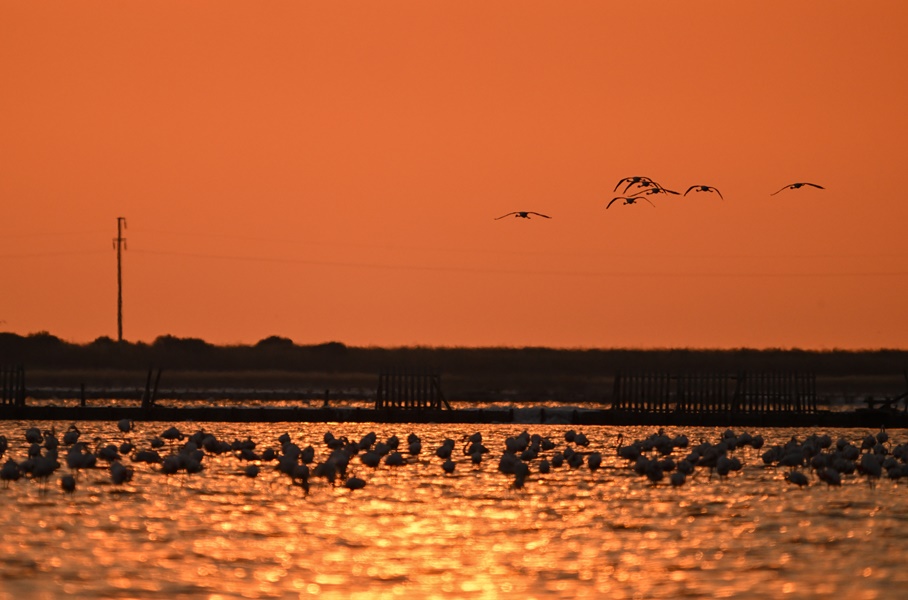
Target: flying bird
795, 186
655, 189
523, 214
632, 180
628, 200
644, 182
704, 188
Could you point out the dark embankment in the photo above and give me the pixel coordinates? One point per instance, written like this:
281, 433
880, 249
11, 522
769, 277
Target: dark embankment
276, 366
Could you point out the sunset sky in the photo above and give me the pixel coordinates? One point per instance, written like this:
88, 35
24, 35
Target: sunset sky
331, 171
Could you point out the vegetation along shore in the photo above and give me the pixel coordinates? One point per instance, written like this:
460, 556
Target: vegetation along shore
276, 365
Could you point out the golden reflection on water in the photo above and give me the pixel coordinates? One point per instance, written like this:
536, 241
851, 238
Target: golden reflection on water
415, 531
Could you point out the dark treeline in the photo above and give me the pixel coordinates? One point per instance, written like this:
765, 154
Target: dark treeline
45, 351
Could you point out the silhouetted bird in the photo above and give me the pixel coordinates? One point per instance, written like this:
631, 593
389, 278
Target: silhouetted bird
523, 214
650, 186
648, 191
639, 180
68, 483
794, 186
628, 200
797, 478
703, 188
355, 483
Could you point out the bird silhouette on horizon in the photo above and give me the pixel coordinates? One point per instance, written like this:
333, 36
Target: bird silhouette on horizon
794, 186
704, 188
523, 214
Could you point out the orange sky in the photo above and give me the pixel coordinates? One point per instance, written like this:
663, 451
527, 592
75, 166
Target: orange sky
332, 170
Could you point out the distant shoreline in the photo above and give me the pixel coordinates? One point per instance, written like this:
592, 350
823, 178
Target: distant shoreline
108, 368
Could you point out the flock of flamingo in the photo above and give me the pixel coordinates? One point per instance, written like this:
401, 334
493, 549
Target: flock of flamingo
657, 457
639, 187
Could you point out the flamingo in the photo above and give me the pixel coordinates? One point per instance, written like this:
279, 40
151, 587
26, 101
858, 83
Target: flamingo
521, 472
797, 478
523, 214
444, 451
68, 483
10, 472
414, 444
395, 459
794, 186
44, 467
628, 200
120, 474
72, 435
703, 188
371, 459
678, 478
594, 460
33, 435
639, 179
355, 483
656, 189
631, 452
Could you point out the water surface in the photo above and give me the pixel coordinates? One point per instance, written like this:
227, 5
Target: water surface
415, 531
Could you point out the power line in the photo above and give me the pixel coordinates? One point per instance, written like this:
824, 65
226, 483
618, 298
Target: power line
660, 256
51, 234
434, 268
50, 254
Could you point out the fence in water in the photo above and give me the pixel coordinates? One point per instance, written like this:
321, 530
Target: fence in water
409, 390
12, 385
715, 393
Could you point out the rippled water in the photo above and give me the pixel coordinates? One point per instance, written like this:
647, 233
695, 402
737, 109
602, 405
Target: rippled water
416, 532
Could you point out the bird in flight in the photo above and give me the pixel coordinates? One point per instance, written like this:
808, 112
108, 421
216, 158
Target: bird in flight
628, 200
655, 189
704, 188
632, 180
650, 186
523, 214
795, 186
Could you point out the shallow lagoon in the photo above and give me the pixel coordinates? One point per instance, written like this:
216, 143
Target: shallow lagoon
415, 531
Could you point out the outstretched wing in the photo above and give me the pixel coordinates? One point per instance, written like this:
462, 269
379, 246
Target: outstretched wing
795, 186
693, 187
628, 179
631, 181
613, 200
648, 200
717, 191
538, 214
784, 188
507, 215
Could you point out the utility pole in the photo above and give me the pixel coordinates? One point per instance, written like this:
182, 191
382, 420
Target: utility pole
120, 245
